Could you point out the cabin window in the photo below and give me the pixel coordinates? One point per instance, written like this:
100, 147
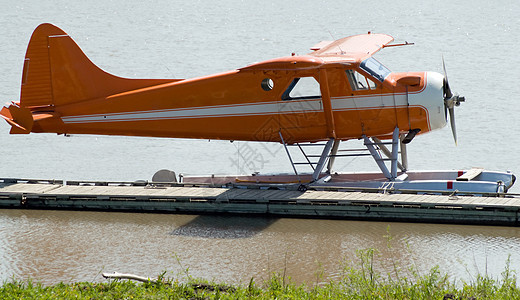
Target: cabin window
358, 82
302, 88
373, 67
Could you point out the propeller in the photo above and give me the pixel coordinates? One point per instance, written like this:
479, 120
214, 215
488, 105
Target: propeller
450, 101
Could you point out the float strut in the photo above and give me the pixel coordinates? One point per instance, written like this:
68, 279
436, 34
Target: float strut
289, 155
395, 152
332, 156
379, 160
322, 160
391, 175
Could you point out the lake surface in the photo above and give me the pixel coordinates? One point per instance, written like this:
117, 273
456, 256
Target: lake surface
71, 246
173, 39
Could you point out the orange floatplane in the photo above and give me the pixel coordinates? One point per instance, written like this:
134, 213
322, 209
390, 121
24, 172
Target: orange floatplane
335, 93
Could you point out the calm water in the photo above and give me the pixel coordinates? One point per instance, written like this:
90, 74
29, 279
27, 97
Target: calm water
70, 246
173, 39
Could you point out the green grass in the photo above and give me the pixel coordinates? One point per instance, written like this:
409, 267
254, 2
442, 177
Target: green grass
361, 281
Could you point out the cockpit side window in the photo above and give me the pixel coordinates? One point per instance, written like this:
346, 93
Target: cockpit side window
359, 82
302, 88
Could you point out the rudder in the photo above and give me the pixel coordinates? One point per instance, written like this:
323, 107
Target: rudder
36, 76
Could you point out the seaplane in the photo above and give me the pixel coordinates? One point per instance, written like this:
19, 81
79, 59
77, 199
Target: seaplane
337, 92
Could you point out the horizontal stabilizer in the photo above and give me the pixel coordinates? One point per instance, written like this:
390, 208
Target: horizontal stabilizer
20, 118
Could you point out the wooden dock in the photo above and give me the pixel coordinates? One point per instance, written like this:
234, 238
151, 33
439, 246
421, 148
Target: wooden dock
254, 200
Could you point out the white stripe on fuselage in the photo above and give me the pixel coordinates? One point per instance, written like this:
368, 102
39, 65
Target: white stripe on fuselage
247, 109
369, 102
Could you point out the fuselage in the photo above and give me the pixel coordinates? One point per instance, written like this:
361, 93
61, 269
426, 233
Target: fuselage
326, 94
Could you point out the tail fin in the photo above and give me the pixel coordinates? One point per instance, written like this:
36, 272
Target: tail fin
57, 72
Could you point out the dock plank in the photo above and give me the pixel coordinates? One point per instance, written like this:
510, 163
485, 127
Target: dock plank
512, 202
27, 188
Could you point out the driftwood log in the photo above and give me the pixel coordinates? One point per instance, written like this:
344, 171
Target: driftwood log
116, 275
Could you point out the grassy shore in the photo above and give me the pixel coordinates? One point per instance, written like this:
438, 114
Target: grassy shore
359, 282
431, 286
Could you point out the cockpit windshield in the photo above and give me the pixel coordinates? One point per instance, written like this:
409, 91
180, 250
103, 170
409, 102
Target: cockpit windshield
375, 68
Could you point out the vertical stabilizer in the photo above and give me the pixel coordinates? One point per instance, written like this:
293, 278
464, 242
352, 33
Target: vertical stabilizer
57, 72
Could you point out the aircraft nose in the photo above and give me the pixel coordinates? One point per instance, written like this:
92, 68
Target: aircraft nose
432, 99
439, 93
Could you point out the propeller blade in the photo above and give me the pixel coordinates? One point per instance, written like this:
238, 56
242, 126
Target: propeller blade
450, 101
447, 90
451, 110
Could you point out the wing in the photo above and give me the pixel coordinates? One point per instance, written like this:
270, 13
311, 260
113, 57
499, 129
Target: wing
351, 49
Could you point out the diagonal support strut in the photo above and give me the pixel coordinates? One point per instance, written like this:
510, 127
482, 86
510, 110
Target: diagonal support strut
393, 157
323, 159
